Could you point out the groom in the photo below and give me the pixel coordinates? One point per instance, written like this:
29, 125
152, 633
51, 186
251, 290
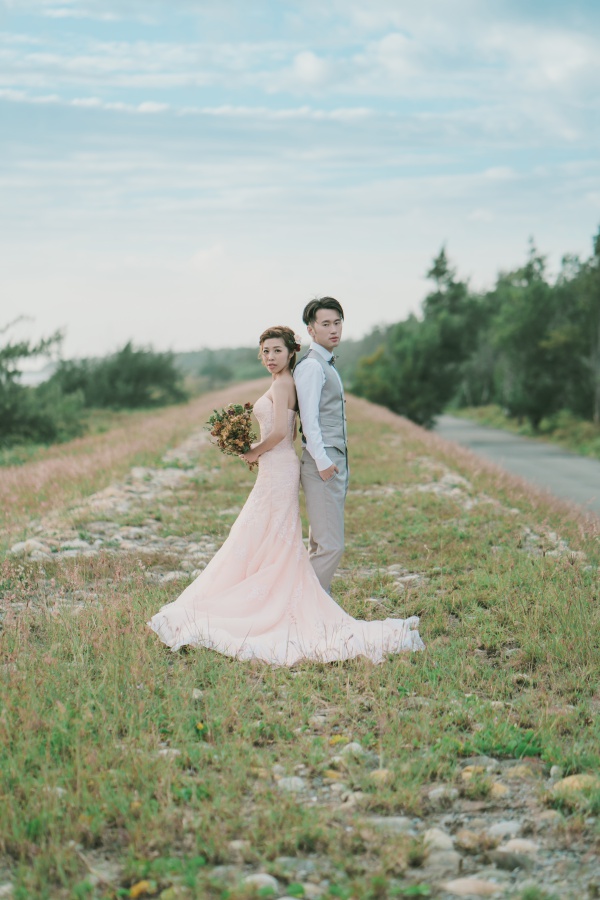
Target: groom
324, 463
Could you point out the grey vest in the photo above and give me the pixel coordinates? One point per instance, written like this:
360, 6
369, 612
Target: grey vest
332, 406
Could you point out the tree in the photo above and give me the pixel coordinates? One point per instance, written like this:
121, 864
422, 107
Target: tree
531, 375
420, 365
40, 414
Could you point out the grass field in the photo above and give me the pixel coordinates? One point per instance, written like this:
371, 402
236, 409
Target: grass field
129, 771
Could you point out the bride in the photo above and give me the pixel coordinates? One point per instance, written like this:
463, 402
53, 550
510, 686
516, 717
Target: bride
259, 596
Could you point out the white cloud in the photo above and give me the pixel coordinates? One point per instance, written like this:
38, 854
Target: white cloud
66, 12
309, 69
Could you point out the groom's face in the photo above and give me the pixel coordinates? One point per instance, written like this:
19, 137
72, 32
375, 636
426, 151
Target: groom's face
326, 329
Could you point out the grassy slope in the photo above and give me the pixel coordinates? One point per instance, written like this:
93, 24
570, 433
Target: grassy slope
92, 708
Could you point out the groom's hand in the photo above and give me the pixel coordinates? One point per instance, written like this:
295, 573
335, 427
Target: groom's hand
326, 474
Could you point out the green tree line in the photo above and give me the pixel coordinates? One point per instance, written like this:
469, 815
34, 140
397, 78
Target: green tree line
58, 408
530, 344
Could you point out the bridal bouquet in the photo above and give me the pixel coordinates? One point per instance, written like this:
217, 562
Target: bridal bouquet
232, 427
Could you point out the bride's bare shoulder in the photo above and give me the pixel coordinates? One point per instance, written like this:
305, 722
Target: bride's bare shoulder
285, 387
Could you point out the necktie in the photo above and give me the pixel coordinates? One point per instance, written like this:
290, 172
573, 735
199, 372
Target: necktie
332, 361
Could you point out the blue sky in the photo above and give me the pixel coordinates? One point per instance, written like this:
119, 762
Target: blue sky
185, 174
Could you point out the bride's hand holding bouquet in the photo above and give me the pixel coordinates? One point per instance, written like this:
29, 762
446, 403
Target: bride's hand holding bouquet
232, 428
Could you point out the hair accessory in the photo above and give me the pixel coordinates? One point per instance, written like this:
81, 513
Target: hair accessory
298, 341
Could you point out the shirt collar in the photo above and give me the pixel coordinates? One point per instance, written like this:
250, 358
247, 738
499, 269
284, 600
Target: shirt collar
326, 354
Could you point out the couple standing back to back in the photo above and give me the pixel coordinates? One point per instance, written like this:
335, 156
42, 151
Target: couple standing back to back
262, 596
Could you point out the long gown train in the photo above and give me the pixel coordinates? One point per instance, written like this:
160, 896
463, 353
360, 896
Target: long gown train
259, 596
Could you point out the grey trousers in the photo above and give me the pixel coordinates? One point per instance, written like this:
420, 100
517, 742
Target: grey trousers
325, 509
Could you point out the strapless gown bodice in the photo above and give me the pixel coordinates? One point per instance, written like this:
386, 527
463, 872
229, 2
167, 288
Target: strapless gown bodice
259, 596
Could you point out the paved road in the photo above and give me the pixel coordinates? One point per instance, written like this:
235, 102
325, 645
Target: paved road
564, 474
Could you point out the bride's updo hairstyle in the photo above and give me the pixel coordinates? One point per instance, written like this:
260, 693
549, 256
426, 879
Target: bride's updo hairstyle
285, 334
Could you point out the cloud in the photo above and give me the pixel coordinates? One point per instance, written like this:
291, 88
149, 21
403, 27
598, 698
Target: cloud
65, 12
253, 113
309, 70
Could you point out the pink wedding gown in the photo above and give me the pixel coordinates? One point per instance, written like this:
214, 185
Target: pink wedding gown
259, 597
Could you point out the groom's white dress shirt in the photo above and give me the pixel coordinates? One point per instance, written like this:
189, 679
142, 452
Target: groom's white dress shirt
309, 379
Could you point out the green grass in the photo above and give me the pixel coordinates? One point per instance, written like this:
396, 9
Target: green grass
562, 428
108, 751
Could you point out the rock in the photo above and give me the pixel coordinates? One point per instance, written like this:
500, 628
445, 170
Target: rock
239, 850
338, 788
393, 824
498, 791
293, 868
75, 545
441, 864
24, 548
197, 694
505, 828
548, 819
353, 750
575, 789
471, 887
519, 773
261, 881
352, 799
520, 845
470, 772
176, 892
488, 762
170, 752
504, 859
467, 840
225, 874
442, 796
556, 773
6, 890
317, 721
313, 891
278, 771
381, 776
293, 784
436, 839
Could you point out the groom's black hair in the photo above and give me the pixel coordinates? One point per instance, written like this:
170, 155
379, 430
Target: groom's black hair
312, 308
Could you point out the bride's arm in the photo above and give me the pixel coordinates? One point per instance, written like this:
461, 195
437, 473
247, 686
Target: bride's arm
279, 393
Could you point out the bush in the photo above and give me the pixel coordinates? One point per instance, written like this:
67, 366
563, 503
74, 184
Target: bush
42, 414
131, 378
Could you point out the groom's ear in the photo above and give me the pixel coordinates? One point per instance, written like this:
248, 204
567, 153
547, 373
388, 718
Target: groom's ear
310, 330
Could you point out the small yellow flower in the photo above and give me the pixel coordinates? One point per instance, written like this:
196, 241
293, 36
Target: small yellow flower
142, 888
200, 726
337, 739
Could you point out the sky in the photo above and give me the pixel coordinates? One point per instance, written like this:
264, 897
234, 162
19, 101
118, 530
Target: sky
184, 174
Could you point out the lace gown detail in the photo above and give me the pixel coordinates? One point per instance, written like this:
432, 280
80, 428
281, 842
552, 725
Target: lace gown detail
259, 596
